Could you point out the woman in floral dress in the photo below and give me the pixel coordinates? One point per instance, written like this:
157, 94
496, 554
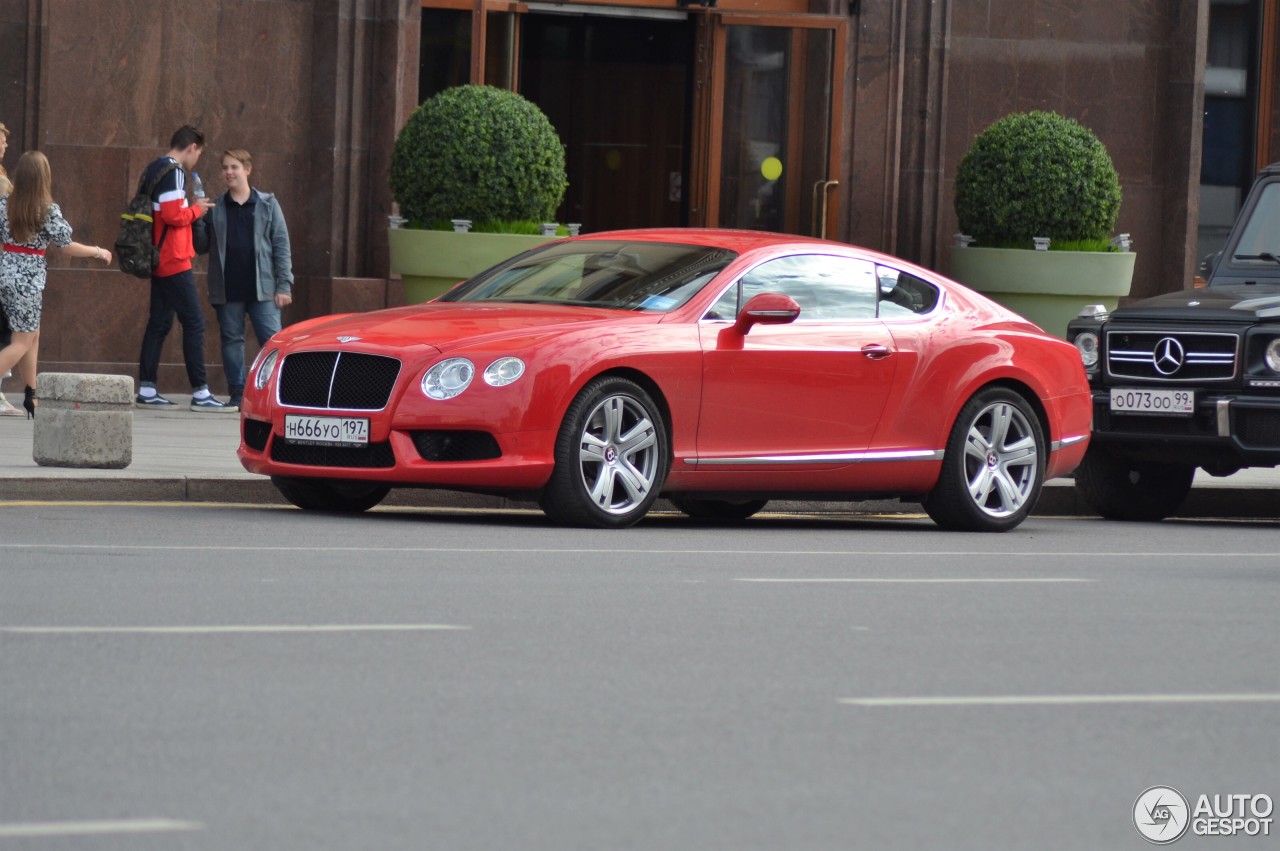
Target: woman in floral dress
29, 224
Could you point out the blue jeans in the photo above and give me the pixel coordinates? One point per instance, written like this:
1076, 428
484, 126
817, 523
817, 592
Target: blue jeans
266, 321
174, 295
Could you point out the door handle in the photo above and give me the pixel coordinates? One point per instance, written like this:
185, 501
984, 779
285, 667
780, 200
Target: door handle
877, 351
819, 210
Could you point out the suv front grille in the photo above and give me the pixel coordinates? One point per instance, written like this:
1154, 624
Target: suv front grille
349, 381
1176, 356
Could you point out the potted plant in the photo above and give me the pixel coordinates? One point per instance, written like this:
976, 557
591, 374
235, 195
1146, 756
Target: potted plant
475, 154
1038, 177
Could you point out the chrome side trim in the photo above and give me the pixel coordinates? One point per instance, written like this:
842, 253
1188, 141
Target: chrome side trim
1224, 417
827, 458
1066, 441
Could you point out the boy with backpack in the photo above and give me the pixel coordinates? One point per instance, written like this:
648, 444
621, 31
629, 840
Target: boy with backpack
173, 283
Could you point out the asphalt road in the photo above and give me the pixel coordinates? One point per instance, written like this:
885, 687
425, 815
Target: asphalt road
216, 677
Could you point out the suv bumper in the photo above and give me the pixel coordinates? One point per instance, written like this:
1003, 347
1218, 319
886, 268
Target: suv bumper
1235, 429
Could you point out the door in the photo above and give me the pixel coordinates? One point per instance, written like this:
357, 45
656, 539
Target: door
770, 101
813, 388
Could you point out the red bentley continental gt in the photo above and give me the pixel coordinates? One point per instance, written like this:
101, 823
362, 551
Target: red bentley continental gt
717, 368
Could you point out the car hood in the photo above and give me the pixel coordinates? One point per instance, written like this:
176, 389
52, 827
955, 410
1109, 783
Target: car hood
444, 325
1210, 304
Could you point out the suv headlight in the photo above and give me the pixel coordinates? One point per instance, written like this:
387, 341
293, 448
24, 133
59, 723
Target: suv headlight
448, 378
1272, 355
1087, 344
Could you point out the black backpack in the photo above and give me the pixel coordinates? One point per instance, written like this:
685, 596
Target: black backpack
135, 252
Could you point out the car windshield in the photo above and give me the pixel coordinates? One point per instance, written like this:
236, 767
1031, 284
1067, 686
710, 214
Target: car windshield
646, 276
1260, 240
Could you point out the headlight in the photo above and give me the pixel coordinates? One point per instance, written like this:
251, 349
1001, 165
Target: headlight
263, 376
448, 378
1272, 355
1087, 344
503, 371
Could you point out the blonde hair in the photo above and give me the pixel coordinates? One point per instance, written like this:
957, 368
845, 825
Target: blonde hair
31, 197
5, 185
239, 154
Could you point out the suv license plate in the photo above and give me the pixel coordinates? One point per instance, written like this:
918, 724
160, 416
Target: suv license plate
1181, 402
326, 430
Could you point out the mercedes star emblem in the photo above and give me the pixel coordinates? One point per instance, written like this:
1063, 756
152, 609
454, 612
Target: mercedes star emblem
1168, 356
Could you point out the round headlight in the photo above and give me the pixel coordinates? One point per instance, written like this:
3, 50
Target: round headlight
448, 378
1273, 355
263, 376
503, 371
1087, 345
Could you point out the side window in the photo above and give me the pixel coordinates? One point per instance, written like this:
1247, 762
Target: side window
901, 294
826, 287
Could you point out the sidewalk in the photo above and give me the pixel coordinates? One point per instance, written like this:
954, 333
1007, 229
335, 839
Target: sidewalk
182, 455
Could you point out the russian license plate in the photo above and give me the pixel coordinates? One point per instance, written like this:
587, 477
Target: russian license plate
1152, 401
326, 430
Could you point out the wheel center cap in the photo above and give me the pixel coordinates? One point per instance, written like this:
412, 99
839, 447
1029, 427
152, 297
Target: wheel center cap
610, 454
992, 460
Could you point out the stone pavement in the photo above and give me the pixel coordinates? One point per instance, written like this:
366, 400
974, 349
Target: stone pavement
181, 455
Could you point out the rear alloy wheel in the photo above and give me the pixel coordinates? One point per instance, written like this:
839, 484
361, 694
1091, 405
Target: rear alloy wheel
329, 495
993, 466
611, 457
718, 510
1120, 489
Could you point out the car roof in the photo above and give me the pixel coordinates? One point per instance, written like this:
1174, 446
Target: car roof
734, 240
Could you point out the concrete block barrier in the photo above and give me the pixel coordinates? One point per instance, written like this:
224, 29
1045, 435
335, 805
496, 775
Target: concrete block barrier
84, 420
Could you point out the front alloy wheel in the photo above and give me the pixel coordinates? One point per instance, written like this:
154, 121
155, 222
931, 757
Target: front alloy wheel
993, 467
611, 457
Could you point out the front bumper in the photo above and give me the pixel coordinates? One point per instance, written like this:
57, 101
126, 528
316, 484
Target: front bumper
1233, 428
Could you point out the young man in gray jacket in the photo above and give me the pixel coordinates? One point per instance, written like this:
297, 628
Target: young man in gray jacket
250, 266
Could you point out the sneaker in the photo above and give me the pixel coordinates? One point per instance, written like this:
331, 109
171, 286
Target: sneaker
235, 402
156, 401
210, 404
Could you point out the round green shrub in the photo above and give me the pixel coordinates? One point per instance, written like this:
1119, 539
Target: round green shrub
479, 153
1036, 174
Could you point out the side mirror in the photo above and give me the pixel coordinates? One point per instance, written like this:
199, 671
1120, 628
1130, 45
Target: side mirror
767, 309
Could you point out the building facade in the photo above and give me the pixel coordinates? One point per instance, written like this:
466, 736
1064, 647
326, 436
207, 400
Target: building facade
838, 117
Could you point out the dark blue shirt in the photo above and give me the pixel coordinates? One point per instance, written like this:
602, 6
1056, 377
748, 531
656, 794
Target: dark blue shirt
240, 272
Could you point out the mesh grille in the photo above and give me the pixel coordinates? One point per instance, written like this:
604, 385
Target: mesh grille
256, 434
1164, 356
1258, 427
348, 381
372, 455
456, 445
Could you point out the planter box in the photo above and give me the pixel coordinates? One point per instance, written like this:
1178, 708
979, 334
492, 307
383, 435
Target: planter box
1047, 287
431, 262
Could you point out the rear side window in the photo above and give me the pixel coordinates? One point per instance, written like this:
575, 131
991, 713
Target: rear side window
901, 294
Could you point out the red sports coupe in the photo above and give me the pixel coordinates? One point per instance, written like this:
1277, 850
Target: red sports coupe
716, 368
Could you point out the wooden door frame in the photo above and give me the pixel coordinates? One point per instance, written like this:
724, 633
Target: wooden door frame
708, 108
1269, 56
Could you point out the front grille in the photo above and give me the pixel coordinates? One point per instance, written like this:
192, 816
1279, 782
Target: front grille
371, 455
456, 445
349, 381
1258, 427
256, 434
1176, 356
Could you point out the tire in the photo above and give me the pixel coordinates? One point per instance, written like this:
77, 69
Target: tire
992, 467
611, 457
329, 495
718, 510
1121, 489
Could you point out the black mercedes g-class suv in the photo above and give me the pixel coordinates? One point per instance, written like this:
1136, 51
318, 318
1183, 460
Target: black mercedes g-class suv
1190, 379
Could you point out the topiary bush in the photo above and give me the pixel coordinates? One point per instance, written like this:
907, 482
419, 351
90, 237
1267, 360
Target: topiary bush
1037, 174
479, 153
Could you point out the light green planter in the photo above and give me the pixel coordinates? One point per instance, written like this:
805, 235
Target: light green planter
1047, 287
431, 262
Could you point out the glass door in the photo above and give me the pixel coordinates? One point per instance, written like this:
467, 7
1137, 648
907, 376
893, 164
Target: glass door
772, 152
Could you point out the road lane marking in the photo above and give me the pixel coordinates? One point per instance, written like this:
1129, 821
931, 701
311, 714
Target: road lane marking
231, 630
890, 581
44, 545
28, 830
1058, 700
